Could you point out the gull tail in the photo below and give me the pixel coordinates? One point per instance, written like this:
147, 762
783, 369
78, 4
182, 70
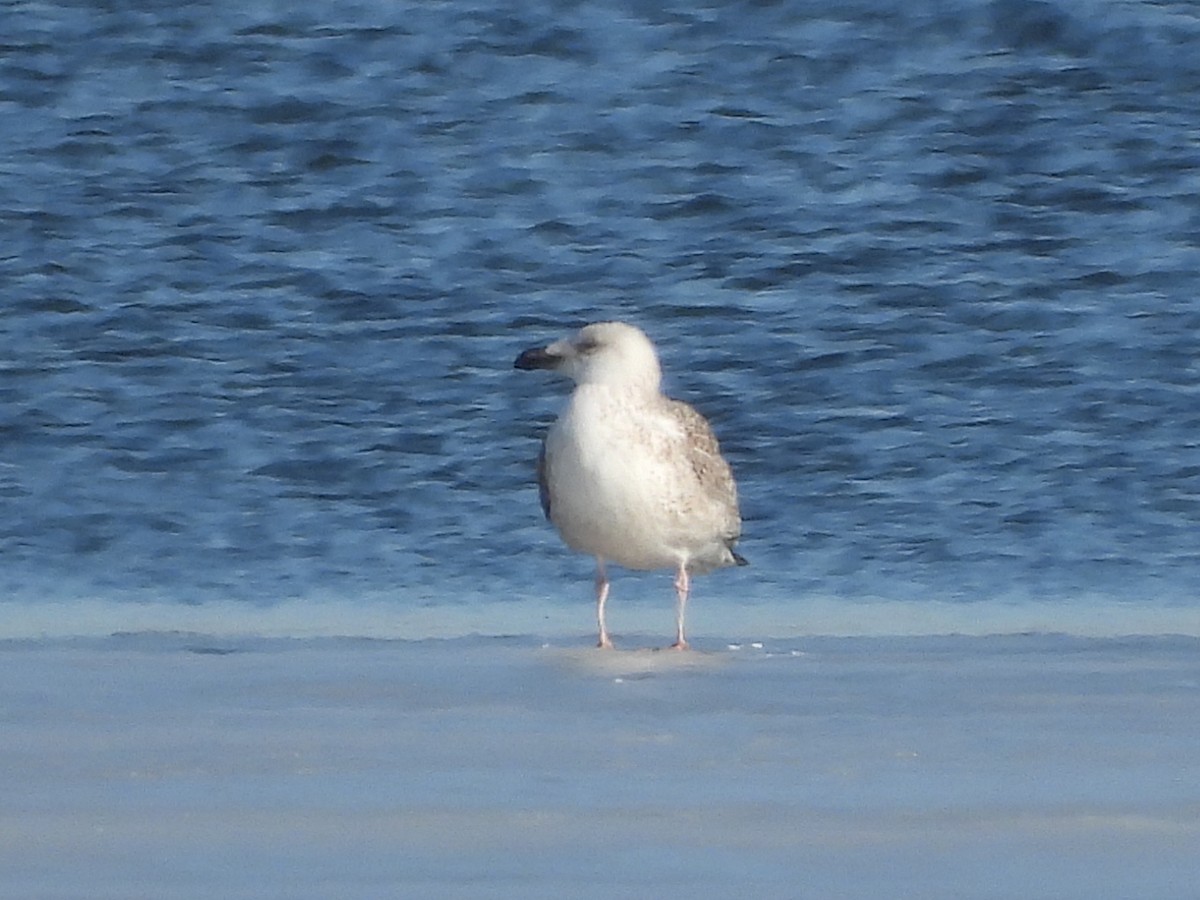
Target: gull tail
737, 557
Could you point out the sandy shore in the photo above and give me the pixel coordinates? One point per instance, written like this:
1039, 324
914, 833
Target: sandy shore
183, 766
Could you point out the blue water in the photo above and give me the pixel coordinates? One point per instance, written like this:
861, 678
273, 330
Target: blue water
931, 269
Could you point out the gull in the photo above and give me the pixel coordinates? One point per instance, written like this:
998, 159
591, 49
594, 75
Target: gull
628, 475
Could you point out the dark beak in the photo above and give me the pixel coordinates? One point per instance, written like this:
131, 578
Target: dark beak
537, 358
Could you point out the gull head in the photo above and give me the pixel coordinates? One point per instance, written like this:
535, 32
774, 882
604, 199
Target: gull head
609, 353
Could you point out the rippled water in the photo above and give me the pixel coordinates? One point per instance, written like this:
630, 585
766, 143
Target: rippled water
931, 268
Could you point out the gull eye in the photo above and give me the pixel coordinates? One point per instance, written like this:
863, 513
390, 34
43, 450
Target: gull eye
587, 345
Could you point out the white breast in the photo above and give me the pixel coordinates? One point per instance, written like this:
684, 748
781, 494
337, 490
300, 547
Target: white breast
622, 487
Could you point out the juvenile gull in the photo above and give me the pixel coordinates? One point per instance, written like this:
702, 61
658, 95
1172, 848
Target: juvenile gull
629, 475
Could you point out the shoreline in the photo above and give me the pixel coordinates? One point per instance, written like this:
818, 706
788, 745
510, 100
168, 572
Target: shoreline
188, 766
397, 617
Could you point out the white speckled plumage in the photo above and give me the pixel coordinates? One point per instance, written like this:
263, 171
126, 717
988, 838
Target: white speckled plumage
629, 475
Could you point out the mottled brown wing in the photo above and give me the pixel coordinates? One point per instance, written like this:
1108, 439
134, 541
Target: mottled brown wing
711, 469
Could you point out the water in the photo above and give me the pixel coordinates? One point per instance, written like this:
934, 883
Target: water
930, 268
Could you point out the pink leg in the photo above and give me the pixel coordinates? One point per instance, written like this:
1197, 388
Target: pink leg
682, 585
601, 599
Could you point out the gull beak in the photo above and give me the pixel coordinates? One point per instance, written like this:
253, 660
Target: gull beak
542, 357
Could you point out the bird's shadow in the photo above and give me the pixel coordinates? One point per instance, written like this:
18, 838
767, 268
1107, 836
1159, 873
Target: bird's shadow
635, 662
